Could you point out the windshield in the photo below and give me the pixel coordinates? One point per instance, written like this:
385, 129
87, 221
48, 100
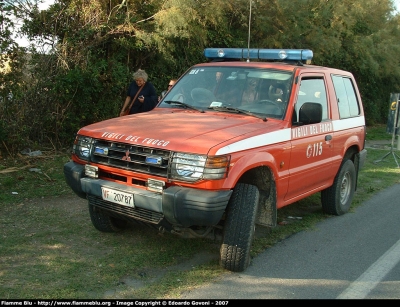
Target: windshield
262, 92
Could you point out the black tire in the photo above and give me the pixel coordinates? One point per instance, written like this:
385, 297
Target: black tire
105, 223
239, 228
336, 200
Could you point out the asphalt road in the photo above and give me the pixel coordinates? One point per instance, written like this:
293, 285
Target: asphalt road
354, 256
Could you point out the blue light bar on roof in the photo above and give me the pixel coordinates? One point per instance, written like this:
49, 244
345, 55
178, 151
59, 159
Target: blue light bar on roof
303, 55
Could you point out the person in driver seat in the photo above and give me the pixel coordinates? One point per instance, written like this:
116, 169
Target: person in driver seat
275, 92
250, 93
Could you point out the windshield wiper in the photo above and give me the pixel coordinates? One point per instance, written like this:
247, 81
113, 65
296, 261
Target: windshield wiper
236, 110
184, 105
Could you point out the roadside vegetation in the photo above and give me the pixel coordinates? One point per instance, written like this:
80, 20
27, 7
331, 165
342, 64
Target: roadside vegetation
85, 52
50, 250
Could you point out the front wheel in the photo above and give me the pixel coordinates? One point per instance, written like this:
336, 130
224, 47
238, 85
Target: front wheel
336, 200
105, 223
239, 227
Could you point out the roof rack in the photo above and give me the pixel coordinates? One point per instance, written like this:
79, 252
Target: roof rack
282, 55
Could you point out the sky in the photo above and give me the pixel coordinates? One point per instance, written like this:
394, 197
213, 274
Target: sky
46, 3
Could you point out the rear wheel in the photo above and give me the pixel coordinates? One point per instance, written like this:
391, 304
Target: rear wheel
239, 228
103, 222
336, 200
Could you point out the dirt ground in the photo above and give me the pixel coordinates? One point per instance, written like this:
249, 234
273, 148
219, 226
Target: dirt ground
73, 207
381, 144
29, 222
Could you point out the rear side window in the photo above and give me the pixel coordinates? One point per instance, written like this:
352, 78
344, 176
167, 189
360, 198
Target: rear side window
346, 97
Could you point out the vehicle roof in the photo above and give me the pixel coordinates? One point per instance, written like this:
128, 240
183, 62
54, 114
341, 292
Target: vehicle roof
274, 65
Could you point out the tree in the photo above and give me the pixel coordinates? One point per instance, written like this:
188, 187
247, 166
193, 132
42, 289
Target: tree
94, 46
12, 81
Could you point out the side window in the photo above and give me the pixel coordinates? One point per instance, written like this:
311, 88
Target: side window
346, 97
312, 90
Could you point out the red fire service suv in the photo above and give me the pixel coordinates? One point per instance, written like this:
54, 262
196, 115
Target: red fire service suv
234, 140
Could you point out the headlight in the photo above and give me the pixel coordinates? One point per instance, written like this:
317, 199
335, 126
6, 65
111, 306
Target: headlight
192, 167
82, 147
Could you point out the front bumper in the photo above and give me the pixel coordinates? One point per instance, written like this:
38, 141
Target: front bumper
178, 206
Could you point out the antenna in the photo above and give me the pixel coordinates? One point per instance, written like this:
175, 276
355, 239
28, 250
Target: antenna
248, 39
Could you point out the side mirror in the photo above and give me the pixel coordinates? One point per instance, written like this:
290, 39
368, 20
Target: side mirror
310, 113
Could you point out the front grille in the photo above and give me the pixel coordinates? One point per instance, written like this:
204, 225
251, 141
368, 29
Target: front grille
131, 157
135, 213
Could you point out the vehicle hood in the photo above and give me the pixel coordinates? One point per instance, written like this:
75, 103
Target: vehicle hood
177, 130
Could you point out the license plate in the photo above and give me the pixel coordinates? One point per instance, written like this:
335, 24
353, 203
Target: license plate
117, 197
